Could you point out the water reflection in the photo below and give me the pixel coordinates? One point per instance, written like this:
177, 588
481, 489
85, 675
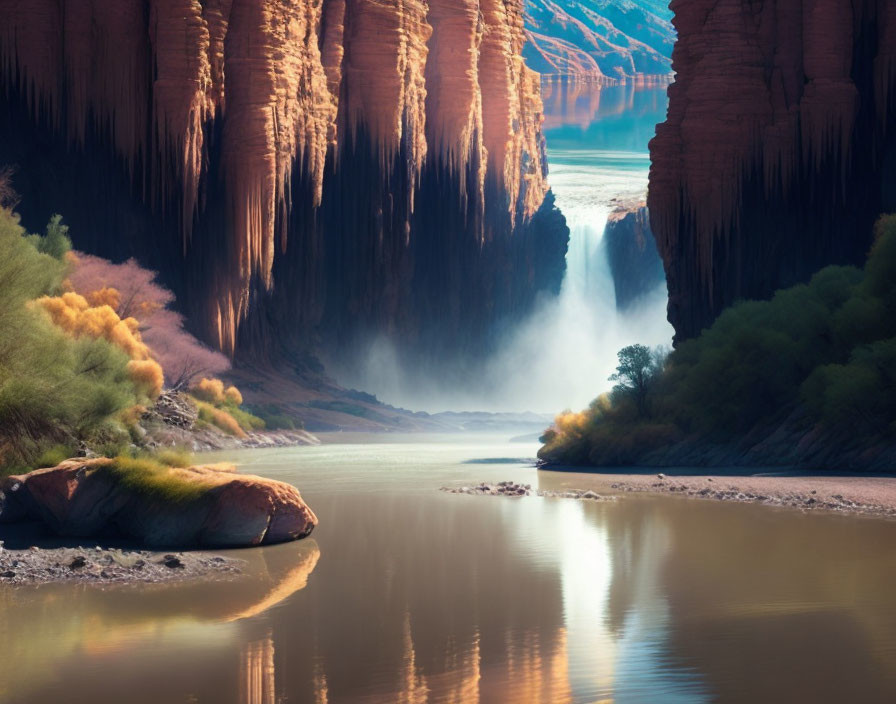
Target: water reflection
420, 596
620, 116
257, 676
48, 633
293, 579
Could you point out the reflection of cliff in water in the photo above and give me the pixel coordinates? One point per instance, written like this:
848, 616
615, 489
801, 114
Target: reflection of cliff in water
583, 104
439, 619
118, 626
425, 597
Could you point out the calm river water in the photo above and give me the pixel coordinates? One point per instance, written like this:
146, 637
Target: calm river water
408, 594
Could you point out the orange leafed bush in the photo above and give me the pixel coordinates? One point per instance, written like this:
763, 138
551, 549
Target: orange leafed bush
133, 291
213, 391
227, 423
147, 376
570, 422
105, 296
220, 419
75, 315
233, 395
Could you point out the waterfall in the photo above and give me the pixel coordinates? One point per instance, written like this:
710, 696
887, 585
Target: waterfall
563, 355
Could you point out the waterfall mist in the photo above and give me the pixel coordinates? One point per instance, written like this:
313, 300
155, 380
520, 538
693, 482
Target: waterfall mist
562, 355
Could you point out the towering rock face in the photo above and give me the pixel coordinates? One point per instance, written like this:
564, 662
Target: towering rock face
779, 150
298, 169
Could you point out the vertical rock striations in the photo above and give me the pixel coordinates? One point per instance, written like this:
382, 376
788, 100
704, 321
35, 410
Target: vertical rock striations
298, 169
631, 251
779, 150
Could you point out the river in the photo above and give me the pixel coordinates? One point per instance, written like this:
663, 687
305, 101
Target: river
408, 594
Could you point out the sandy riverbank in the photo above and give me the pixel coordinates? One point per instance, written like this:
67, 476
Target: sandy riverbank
867, 495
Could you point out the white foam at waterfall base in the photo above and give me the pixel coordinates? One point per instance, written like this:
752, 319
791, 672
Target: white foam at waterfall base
563, 355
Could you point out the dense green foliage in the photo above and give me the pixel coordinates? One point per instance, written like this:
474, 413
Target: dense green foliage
638, 370
827, 347
55, 390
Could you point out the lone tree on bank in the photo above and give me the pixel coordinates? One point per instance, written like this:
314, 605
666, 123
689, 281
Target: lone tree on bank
637, 369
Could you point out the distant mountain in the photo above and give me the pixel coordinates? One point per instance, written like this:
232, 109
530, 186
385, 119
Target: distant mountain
658, 7
617, 39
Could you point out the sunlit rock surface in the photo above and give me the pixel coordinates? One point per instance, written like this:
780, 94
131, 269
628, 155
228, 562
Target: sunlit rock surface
779, 151
80, 498
298, 169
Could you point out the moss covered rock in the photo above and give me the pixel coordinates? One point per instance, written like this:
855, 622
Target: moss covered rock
157, 506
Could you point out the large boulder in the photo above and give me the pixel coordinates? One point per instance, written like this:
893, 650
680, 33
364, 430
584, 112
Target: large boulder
159, 507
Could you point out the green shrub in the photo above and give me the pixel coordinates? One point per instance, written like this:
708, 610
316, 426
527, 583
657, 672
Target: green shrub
828, 346
174, 457
55, 243
53, 389
246, 420
55, 455
274, 417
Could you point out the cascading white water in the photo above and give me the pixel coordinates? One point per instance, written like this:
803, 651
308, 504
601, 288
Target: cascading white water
563, 355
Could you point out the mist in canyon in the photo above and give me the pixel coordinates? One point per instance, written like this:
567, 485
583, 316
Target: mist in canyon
562, 355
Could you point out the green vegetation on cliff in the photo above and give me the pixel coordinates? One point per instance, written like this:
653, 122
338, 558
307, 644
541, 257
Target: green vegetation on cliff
819, 356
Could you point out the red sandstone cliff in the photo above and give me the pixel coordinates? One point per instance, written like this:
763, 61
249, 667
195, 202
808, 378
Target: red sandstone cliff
282, 144
779, 150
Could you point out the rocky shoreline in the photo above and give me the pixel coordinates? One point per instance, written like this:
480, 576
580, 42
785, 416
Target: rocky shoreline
867, 496
513, 489
171, 422
110, 566
728, 490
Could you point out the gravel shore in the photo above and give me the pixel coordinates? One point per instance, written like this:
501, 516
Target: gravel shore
872, 496
513, 489
110, 566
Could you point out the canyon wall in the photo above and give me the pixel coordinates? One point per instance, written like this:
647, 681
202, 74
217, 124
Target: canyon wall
779, 151
309, 172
